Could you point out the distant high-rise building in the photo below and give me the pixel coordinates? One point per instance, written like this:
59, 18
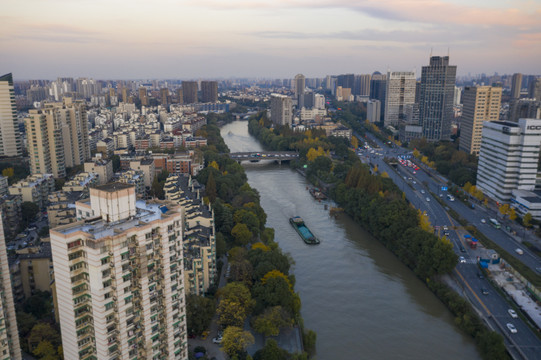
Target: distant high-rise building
180, 96
189, 92
400, 92
516, 86
508, 157
436, 98
57, 137
143, 96
524, 108
281, 109
362, 85
164, 95
373, 110
534, 89
9, 336
209, 91
300, 84
346, 81
481, 103
124, 94
378, 85
119, 278
10, 139
458, 96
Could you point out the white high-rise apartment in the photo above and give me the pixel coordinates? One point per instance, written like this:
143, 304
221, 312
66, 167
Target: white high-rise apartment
9, 336
281, 109
480, 103
508, 157
10, 139
57, 137
119, 278
400, 92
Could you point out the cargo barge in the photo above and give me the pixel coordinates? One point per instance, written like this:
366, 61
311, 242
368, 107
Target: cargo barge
298, 223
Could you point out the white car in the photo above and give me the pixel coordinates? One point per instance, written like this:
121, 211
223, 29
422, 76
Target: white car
422, 191
483, 221
462, 259
427, 199
513, 313
217, 340
512, 328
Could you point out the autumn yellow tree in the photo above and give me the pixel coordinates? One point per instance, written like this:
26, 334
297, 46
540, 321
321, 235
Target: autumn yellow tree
214, 164
354, 142
424, 222
512, 214
8, 172
416, 153
504, 209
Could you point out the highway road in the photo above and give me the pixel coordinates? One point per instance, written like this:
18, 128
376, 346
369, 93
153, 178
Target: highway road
492, 306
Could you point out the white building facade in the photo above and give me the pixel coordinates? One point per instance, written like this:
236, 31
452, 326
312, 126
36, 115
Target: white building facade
508, 157
119, 278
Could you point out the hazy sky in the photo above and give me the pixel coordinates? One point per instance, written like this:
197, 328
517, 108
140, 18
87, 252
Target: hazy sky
120, 39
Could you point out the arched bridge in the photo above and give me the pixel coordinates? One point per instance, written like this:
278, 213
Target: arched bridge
256, 156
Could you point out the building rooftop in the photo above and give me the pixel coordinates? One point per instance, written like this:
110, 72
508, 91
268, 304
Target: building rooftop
112, 187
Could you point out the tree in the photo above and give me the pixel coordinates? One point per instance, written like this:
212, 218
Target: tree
504, 209
29, 210
25, 323
40, 304
271, 351
41, 332
210, 189
235, 304
309, 342
236, 340
116, 162
45, 351
199, 313
512, 214
241, 234
270, 322
527, 220
8, 172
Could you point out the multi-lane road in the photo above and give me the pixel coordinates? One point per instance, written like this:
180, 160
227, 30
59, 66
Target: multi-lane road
524, 344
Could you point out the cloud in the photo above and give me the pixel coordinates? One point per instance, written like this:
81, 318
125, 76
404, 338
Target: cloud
56, 33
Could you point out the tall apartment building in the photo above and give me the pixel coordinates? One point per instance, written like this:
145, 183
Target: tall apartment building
9, 336
10, 139
189, 92
516, 86
281, 109
480, 103
119, 278
373, 111
209, 91
534, 89
362, 85
57, 137
143, 96
378, 86
508, 157
400, 92
436, 98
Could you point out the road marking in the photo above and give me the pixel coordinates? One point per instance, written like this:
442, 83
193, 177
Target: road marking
473, 292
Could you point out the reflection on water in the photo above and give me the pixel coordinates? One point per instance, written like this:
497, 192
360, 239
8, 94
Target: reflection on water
362, 302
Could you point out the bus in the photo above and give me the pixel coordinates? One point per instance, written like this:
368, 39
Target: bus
495, 223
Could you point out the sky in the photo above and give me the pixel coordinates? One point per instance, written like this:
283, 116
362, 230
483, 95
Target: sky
193, 39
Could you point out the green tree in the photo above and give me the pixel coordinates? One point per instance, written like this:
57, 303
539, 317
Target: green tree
199, 313
271, 351
29, 210
40, 305
25, 323
210, 189
235, 304
45, 351
236, 340
271, 320
41, 332
527, 220
241, 234
309, 342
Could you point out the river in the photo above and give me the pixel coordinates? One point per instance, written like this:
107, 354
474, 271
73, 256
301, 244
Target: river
362, 301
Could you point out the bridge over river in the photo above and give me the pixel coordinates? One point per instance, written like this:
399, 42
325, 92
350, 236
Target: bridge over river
256, 156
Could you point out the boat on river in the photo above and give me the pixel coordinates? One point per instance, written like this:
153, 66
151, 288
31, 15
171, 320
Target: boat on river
298, 224
317, 194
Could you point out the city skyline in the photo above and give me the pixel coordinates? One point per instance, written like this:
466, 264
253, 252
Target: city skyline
270, 39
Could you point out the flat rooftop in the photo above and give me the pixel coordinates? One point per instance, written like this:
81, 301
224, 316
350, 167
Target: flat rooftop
112, 187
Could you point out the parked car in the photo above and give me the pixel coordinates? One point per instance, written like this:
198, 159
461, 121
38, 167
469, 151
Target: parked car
519, 251
217, 340
484, 291
512, 328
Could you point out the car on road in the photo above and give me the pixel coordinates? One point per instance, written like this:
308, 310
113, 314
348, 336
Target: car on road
415, 182
513, 313
422, 191
519, 251
462, 259
484, 291
462, 249
483, 221
512, 328
217, 340
427, 199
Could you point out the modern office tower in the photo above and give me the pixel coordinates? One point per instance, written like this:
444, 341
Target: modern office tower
362, 85
10, 139
281, 109
508, 157
9, 336
534, 89
346, 81
516, 85
400, 92
164, 95
209, 91
480, 103
57, 137
373, 111
300, 84
436, 98
119, 278
189, 92
378, 85
143, 96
